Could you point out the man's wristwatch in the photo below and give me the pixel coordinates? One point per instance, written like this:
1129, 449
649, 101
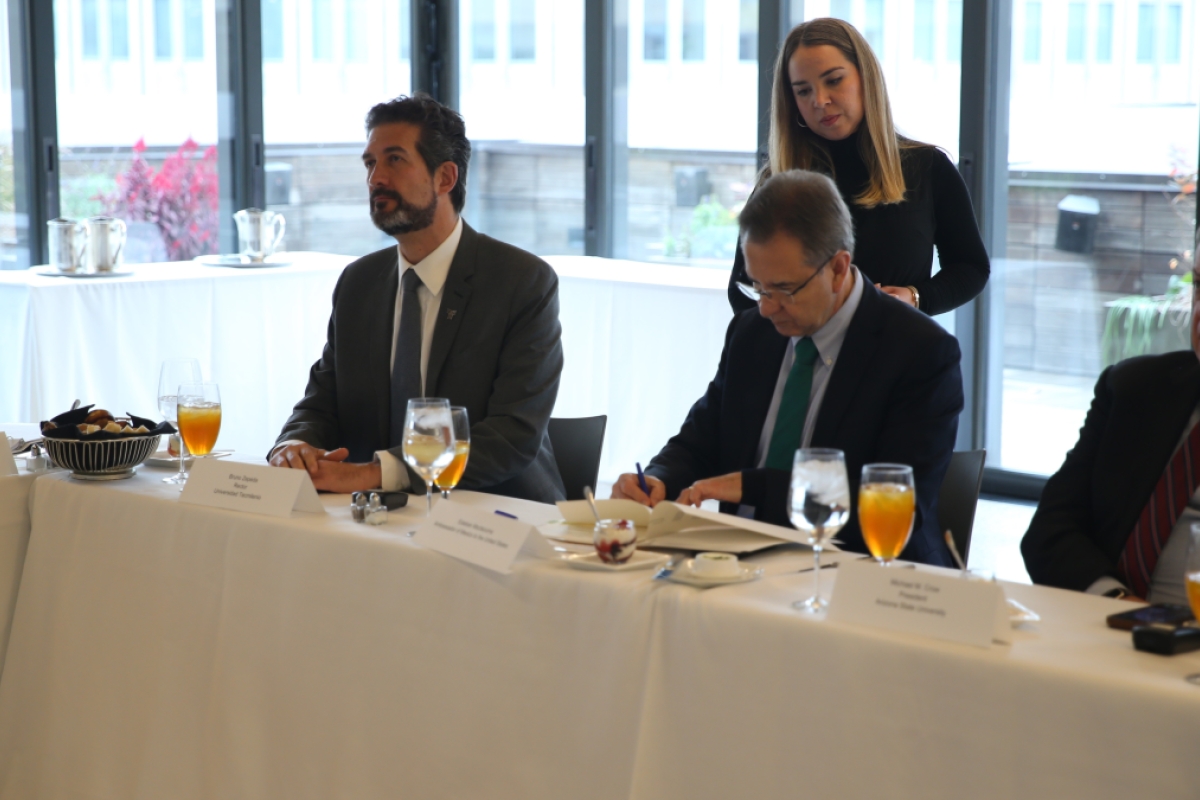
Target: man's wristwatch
1119, 593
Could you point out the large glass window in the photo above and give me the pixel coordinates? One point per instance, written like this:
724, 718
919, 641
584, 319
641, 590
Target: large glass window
522, 26
356, 31
1104, 33
923, 30
690, 164
118, 29
748, 31
89, 23
1033, 33
693, 30
322, 30
14, 253
525, 115
483, 30
1076, 32
272, 30
153, 163
1172, 30
654, 28
315, 176
1099, 231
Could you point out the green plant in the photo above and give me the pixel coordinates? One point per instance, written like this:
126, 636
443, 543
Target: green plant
1132, 322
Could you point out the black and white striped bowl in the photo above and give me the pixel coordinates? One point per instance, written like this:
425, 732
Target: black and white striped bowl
107, 460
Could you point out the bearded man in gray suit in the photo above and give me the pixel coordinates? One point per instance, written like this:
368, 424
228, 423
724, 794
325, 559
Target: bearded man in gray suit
449, 312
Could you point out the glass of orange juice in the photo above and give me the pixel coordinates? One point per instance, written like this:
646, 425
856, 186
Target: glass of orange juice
887, 501
452, 474
199, 418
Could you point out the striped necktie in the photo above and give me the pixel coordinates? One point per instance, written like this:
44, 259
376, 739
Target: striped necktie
793, 408
1167, 502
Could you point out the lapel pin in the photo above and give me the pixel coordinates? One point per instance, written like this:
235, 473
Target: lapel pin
450, 312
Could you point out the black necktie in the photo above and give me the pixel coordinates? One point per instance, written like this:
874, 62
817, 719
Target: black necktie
406, 369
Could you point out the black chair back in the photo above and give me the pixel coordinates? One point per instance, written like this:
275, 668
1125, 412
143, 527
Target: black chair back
959, 497
577, 444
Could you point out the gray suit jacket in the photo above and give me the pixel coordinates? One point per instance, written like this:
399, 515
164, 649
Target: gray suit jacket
496, 350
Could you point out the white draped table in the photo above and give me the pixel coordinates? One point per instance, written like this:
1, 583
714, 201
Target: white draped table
641, 342
164, 650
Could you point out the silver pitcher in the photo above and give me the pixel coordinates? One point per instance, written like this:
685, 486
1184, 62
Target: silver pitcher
106, 240
68, 240
259, 232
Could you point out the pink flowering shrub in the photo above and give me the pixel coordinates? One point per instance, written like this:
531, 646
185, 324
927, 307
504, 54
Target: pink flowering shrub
180, 198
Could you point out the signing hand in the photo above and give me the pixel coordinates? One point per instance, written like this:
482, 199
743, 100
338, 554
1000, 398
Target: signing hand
305, 456
627, 488
726, 488
901, 293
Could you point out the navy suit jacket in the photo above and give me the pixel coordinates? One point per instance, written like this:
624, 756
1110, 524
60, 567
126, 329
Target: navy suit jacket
1089, 507
894, 396
496, 350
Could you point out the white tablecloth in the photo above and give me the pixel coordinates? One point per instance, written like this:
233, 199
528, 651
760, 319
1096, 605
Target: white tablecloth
14, 530
161, 650
641, 343
255, 332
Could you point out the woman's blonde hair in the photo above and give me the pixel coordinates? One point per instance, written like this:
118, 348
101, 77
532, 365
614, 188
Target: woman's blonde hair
793, 146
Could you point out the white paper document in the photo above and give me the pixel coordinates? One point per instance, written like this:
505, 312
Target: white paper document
674, 526
936, 604
259, 489
480, 537
8, 464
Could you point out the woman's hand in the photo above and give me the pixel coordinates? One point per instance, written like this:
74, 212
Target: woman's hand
901, 293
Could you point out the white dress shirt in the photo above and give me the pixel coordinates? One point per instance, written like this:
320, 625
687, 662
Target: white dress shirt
433, 270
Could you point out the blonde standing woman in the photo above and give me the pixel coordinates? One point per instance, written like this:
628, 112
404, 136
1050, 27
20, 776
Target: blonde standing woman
830, 113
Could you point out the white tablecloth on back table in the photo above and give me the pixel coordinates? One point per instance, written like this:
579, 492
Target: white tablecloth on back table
161, 650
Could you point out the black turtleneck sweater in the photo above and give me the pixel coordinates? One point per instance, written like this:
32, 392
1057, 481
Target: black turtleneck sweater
894, 243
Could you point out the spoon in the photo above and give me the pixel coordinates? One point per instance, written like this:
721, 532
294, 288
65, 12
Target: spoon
75, 405
954, 551
587, 493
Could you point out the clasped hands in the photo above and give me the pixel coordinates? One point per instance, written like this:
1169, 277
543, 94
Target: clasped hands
725, 488
328, 468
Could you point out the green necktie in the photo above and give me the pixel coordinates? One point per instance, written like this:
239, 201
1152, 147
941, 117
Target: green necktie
793, 408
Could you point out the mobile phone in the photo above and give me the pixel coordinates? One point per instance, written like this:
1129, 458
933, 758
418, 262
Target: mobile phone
393, 500
1166, 640
1157, 614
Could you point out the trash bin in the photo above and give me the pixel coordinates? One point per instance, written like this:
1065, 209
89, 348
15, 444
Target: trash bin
279, 183
1077, 218
691, 184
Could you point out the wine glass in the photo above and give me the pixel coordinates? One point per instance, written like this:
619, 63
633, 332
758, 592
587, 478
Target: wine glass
175, 371
818, 505
428, 440
887, 502
199, 412
452, 474
1191, 579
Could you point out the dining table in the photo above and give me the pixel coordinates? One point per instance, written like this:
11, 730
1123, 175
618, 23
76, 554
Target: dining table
165, 649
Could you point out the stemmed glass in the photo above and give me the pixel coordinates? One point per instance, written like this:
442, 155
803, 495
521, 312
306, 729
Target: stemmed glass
818, 505
887, 502
199, 411
428, 440
1191, 579
175, 371
452, 474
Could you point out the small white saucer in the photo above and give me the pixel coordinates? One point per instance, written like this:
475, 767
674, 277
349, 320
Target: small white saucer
641, 559
686, 575
1018, 613
51, 272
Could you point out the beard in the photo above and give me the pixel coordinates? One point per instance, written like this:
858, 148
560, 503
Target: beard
406, 217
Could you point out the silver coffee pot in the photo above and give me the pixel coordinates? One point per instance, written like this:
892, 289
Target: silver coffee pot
105, 240
68, 241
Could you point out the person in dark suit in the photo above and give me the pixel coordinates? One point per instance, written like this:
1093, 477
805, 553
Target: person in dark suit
449, 313
826, 360
1115, 518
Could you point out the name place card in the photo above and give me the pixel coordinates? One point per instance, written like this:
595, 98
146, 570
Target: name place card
480, 537
8, 464
257, 488
934, 604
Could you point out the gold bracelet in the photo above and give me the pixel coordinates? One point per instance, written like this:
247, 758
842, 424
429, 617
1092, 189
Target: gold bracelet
916, 296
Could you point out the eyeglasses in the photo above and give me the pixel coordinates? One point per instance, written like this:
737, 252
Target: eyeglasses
786, 298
